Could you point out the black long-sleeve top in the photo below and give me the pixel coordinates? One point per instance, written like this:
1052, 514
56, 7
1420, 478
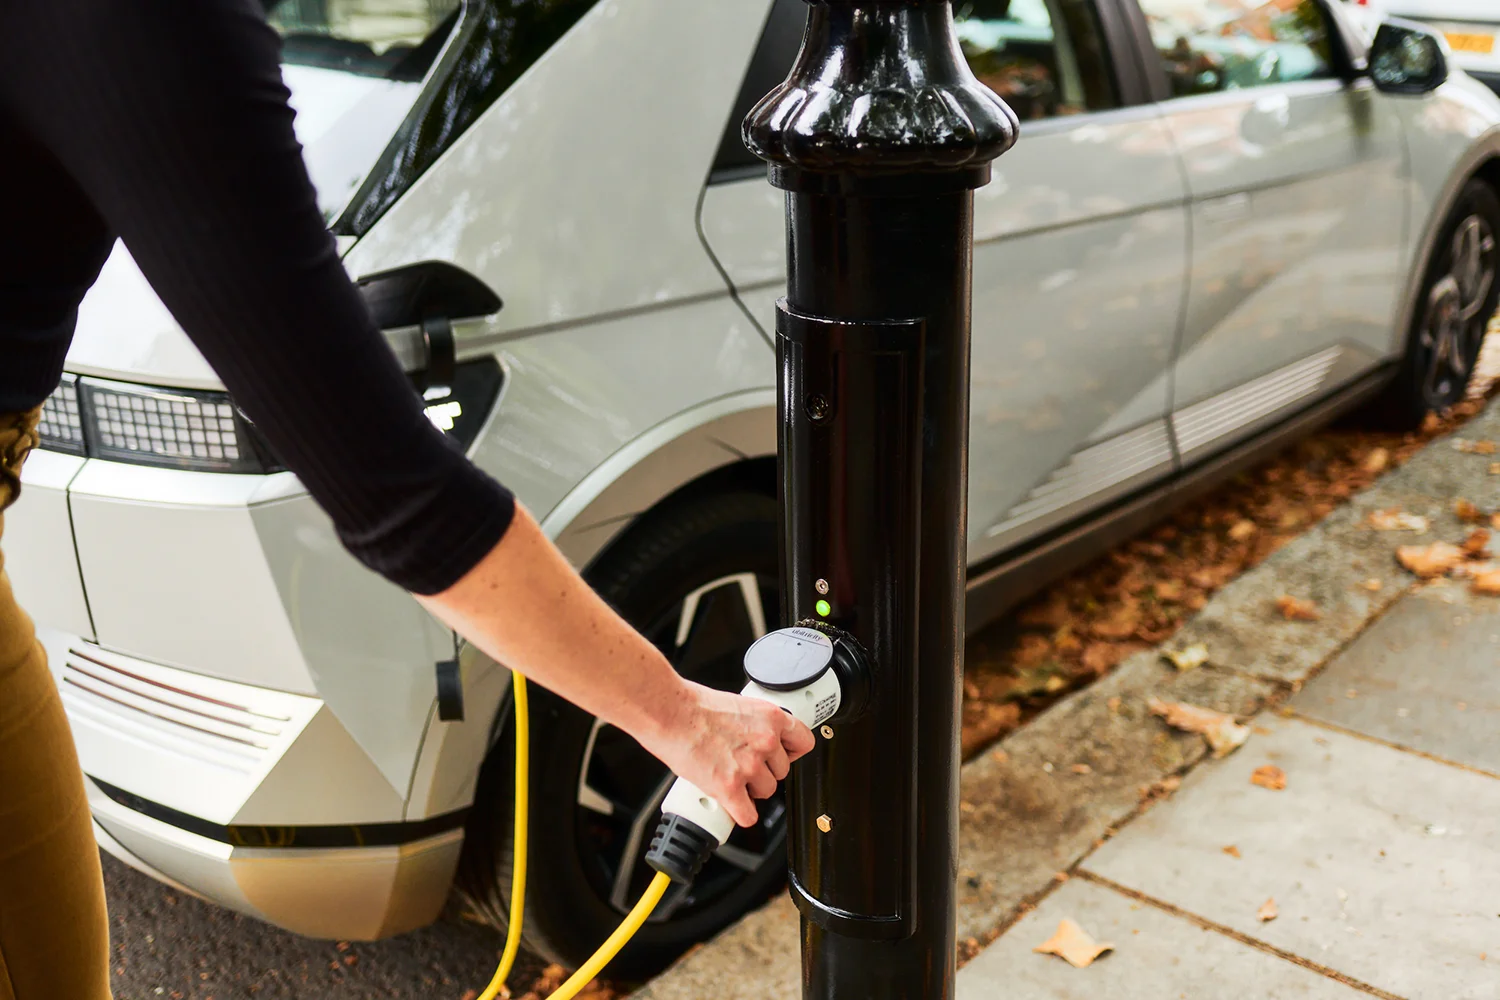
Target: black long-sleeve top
166, 123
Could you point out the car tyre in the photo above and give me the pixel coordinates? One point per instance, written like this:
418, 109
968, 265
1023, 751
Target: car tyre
1459, 294
699, 577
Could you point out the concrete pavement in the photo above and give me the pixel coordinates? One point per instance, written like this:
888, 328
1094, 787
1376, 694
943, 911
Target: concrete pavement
1382, 851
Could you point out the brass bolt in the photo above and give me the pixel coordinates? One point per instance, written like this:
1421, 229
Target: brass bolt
825, 823
827, 732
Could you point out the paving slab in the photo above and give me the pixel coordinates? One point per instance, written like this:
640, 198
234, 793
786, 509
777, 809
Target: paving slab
1028, 814
1157, 956
1385, 865
1425, 676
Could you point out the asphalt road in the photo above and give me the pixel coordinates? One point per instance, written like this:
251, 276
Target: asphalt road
173, 946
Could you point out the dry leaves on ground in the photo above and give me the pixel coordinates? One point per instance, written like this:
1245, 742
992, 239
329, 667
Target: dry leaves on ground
1428, 561
1232, 851
1474, 546
1187, 658
1269, 776
1487, 582
1466, 510
1073, 945
1474, 447
1139, 594
1224, 735
1267, 911
1396, 519
1297, 609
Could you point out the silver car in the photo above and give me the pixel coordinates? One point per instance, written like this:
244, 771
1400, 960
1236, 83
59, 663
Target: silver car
1215, 232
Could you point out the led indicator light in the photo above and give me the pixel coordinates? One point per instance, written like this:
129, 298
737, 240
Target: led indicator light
823, 608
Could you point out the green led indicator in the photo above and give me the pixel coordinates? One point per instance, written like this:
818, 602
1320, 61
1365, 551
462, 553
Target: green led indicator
823, 608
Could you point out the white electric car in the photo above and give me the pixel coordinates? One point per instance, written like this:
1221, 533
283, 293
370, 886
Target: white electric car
1218, 229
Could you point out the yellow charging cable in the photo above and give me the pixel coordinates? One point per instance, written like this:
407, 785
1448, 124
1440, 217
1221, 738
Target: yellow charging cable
622, 935
518, 852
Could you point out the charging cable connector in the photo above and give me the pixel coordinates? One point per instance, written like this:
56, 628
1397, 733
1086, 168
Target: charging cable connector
812, 674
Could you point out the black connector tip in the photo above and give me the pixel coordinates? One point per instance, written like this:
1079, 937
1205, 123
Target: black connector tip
680, 848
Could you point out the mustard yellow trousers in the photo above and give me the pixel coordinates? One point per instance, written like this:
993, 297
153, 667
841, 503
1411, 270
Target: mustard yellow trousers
54, 930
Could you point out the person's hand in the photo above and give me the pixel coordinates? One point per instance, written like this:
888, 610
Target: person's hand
733, 748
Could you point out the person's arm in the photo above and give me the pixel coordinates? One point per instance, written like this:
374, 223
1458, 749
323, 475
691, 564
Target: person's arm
554, 629
172, 119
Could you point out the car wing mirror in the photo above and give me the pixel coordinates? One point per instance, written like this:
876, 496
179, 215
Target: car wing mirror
1407, 58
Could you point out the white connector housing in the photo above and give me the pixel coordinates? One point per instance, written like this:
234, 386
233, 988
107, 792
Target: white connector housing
811, 705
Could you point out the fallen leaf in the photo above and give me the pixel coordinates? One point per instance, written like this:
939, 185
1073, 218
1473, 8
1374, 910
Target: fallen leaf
1073, 945
1100, 657
1113, 704
1372, 585
1428, 561
1081, 769
1168, 590
984, 721
1466, 510
1269, 776
1243, 530
1296, 609
1473, 447
1188, 657
1495, 468
1224, 735
1495, 520
1267, 911
1376, 461
1473, 546
1396, 519
1232, 851
1486, 583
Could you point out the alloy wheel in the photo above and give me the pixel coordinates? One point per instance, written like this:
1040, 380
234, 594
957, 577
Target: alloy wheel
621, 786
1453, 324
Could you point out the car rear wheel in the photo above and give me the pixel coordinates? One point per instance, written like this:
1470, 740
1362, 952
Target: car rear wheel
699, 579
1453, 310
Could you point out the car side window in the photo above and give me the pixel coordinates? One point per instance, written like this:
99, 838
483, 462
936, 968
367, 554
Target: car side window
1044, 57
1212, 45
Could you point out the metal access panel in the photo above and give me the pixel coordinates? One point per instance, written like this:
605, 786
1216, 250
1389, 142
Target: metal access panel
852, 495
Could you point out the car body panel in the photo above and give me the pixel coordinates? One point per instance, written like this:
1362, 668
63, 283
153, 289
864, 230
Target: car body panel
1082, 220
40, 557
524, 199
1298, 228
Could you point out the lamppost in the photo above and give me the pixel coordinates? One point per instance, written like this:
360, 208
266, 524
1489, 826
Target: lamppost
879, 136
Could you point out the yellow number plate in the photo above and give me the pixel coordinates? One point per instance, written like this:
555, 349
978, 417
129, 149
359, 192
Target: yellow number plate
1463, 41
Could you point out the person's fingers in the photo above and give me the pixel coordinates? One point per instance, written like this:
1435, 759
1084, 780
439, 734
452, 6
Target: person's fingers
778, 762
739, 807
796, 738
760, 781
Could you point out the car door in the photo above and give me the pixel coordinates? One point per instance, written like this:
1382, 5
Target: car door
1079, 262
1294, 168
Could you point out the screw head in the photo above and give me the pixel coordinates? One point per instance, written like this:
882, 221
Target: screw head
821, 586
825, 823
818, 407
827, 732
